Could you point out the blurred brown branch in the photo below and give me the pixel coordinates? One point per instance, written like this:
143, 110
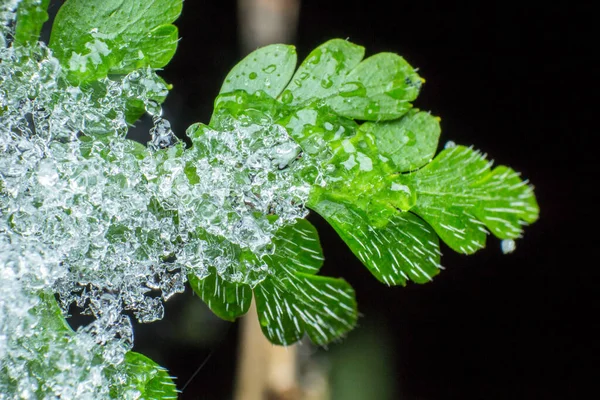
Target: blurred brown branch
265, 371
263, 22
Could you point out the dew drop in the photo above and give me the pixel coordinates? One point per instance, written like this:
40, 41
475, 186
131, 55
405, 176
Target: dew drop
287, 97
326, 83
508, 246
134, 76
410, 138
449, 144
162, 135
270, 68
353, 89
315, 57
153, 108
373, 108
252, 75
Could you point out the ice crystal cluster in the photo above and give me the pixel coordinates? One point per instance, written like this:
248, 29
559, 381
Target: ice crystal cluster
112, 225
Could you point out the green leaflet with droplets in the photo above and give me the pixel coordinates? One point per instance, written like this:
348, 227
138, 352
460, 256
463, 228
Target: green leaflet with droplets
227, 300
297, 249
94, 39
460, 195
151, 380
294, 301
379, 88
408, 142
268, 69
322, 73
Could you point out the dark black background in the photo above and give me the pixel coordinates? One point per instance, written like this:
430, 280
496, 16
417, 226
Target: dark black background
514, 79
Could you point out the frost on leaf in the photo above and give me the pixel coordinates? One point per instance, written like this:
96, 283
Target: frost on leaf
114, 36
291, 301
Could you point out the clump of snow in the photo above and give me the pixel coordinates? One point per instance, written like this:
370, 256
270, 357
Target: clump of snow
113, 226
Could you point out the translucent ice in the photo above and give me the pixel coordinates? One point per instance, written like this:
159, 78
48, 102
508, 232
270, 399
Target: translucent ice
114, 226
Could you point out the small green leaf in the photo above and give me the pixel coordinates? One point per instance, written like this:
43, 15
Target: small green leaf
460, 195
93, 39
267, 69
31, 15
323, 71
155, 50
297, 249
51, 315
324, 308
149, 378
409, 142
226, 299
405, 248
379, 88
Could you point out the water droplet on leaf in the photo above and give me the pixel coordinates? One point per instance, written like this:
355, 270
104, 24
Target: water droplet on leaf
287, 97
270, 68
373, 108
410, 138
326, 83
353, 89
315, 57
508, 246
449, 144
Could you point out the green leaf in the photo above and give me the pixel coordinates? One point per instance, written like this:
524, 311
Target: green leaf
93, 39
267, 69
379, 88
226, 299
460, 195
405, 248
31, 15
297, 249
409, 142
149, 378
323, 71
51, 315
323, 308
155, 50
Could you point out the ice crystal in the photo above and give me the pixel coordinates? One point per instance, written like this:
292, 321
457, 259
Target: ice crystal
7, 19
111, 225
